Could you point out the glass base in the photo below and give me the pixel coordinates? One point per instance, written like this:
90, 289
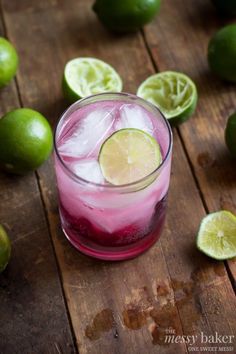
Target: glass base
115, 253
124, 244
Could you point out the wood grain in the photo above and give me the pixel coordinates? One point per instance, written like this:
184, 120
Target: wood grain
110, 304
33, 316
178, 40
127, 306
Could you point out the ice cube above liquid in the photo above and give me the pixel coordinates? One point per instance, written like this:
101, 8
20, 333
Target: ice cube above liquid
82, 139
86, 131
132, 116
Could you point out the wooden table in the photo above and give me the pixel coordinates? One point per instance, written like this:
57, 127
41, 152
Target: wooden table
52, 298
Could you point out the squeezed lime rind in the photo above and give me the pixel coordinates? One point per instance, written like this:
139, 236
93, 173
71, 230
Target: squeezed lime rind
84, 77
174, 93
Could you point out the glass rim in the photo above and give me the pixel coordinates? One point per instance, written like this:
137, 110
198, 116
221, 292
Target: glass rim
77, 178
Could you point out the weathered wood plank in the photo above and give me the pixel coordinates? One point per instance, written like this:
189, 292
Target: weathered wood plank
33, 316
122, 307
178, 39
98, 319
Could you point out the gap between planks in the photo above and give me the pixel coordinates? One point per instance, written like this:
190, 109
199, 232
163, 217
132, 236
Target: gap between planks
19, 97
176, 306
56, 260
195, 178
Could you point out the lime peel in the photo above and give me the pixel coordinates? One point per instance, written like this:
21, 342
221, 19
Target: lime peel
217, 235
5, 249
230, 134
26, 140
126, 15
222, 53
129, 155
9, 62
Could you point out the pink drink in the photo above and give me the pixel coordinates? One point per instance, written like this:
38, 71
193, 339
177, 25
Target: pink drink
99, 219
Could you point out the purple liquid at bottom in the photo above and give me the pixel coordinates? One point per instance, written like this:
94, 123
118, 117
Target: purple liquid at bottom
123, 244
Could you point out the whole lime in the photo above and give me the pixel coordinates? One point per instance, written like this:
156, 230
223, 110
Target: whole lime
126, 15
222, 53
8, 61
25, 140
230, 134
225, 7
5, 249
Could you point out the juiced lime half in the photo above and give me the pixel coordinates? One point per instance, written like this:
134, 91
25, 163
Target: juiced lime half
174, 93
217, 235
88, 76
129, 155
5, 249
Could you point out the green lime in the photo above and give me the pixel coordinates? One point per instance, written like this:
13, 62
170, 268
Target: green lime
5, 249
129, 155
126, 15
222, 53
25, 140
230, 134
217, 235
174, 93
88, 76
225, 7
8, 61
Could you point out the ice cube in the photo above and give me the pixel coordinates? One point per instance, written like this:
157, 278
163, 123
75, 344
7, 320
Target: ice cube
133, 116
88, 169
90, 132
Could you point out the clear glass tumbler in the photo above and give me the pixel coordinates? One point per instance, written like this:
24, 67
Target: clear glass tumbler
102, 220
